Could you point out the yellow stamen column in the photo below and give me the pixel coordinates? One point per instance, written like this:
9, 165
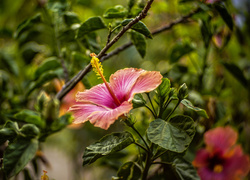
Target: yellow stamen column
97, 68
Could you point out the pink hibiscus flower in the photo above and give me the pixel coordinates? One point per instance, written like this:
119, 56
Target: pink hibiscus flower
222, 159
212, 1
106, 102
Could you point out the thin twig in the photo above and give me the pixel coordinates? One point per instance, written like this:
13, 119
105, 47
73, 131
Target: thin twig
155, 32
71, 84
155, 113
178, 21
102, 56
141, 146
179, 101
109, 36
137, 132
155, 116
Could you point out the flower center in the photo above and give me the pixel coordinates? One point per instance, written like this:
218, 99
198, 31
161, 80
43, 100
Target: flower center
97, 68
218, 168
216, 162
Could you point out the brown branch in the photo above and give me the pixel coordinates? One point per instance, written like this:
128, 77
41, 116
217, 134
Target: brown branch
71, 84
155, 32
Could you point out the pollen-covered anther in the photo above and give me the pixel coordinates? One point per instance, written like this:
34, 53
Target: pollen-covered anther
218, 168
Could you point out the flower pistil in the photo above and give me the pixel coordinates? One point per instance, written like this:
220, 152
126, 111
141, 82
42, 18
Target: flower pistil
97, 68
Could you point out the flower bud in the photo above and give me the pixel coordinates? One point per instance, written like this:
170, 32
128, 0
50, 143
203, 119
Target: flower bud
51, 111
182, 91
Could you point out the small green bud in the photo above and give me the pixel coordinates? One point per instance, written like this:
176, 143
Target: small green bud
51, 111
128, 120
182, 91
42, 100
110, 26
138, 101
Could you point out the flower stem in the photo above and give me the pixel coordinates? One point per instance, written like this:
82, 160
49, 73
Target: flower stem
155, 114
163, 106
141, 146
179, 101
150, 110
137, 132
159, 155
147, 166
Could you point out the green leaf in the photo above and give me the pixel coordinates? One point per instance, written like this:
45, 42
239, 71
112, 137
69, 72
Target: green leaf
30, 130
164, 89
9, 63
7, 134
175, 135
129, 171
206, 31
179, 50
56, 6
91, 24
44, 78
185, 170
168, 156
18, 154
222, 10
116, 12
55, 124
90, 42
12, 125
27, 24
237, 73
139, 27
70, 18
109, 144
50, 63
140, 43
182, 91
138, 101
189, 105
30, 116
61, 122
131, 3
51, 111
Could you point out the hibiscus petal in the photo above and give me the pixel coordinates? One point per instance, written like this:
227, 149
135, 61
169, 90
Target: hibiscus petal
105, 118
97, 95
221, 138
123, 80
82, 111
201, 159
237, 164
206, 173
146, 82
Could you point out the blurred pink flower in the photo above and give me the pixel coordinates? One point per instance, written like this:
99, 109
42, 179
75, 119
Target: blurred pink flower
106, 102
69, 99
222, 159
212, 1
